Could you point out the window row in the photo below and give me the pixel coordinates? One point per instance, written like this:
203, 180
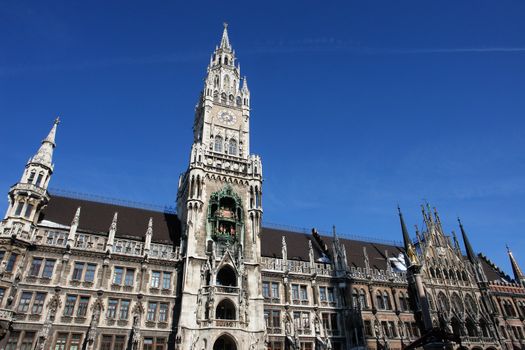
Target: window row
391, 330
77, 305
382, 300
36, 179
230, 147
26, 340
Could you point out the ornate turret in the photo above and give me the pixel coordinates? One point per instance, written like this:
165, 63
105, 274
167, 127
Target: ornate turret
29, 196
519, 277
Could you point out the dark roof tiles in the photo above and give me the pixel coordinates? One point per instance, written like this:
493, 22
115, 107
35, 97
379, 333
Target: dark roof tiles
96, 217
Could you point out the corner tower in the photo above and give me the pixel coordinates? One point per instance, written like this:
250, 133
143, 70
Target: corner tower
29, 196
219, 204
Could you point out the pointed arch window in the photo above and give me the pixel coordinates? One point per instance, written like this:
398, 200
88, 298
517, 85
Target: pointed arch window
362, 299
232, 147
386, 301
218, 144
380, 302
223, 98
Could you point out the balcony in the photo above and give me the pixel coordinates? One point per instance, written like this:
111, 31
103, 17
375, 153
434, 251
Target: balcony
29, 187
226, 323
227, 289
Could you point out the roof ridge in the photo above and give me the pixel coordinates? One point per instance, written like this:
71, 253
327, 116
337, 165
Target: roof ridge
112, 201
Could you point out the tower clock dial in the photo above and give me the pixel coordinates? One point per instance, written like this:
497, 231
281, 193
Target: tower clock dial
227, 118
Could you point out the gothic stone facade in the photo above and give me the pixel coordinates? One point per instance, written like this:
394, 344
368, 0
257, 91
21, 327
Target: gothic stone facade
81, 274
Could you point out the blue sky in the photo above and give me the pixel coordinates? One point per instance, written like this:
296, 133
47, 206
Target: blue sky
356, 105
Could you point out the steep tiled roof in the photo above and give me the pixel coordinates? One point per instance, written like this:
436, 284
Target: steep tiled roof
96, 217
297, 248
132, 222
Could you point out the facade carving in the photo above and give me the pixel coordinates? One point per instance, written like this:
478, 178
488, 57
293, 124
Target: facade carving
80, 274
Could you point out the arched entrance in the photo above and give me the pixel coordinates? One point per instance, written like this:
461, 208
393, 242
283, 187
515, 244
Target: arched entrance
224, 342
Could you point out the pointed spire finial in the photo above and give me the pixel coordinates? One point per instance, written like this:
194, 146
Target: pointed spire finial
44, 155
519, 277
468, 247
410, 253
225, 41
244, 84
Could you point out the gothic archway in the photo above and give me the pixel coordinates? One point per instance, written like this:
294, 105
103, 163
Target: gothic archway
227, 277
225, 342
225, 310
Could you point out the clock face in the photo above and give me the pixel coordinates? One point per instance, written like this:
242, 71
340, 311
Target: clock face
227, 118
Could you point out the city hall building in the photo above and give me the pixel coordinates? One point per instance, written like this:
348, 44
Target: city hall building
83, 274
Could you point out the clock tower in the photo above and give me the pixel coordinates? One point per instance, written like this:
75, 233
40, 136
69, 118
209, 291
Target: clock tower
219, 205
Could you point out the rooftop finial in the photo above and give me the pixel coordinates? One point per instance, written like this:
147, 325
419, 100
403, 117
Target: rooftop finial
519, 277
45, 152
225, 41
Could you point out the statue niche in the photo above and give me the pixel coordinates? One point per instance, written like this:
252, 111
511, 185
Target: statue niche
225, 217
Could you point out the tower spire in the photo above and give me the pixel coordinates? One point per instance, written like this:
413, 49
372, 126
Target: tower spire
410, 253
519, 277
470, 252
44, 155
225, 40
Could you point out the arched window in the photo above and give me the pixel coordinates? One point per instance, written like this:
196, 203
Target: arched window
443, 302
232, 147
457, 303
215, 96
225, 310
402, 302
216, 82
227, 277
456, 327
464, 276
362, 299
432, 272
218, 144
223, 98
238, 101
226, 60
355, 298
386, 301
430, 301
380, 301
471, 328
